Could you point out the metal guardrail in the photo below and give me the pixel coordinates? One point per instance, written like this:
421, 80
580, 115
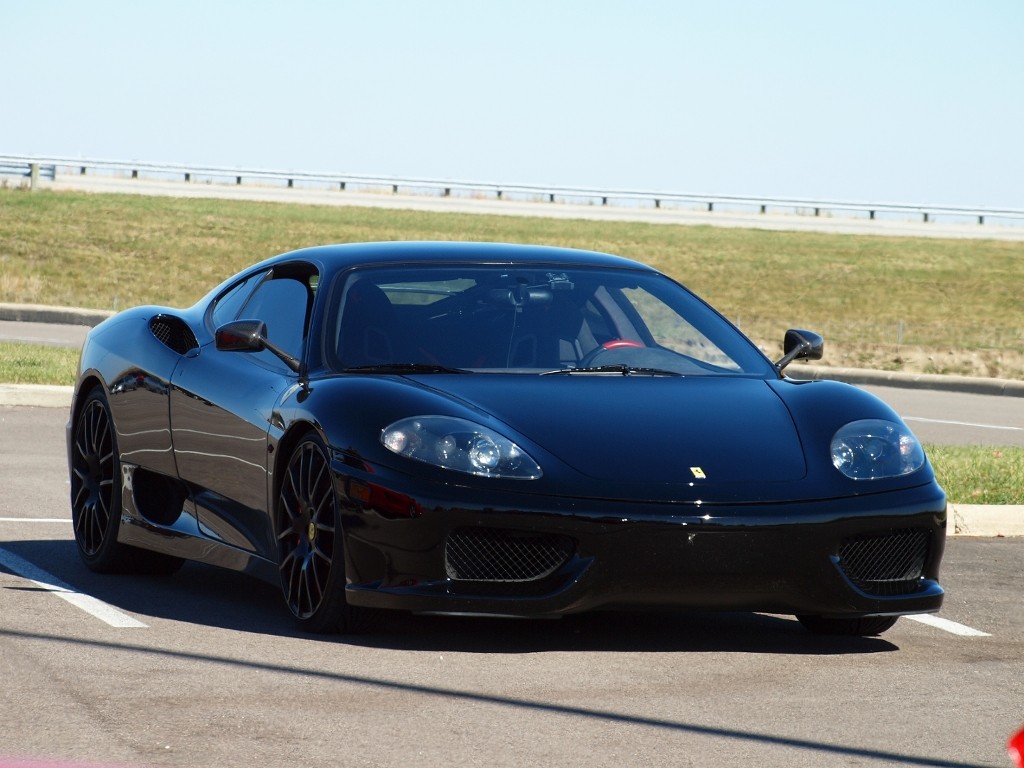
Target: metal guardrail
32, 171
35, 167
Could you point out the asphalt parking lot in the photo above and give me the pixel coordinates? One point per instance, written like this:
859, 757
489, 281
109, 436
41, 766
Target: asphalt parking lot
205, 668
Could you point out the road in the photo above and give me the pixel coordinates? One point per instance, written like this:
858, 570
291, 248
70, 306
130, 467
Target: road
957, 418
205, 668
48, 334
210, 671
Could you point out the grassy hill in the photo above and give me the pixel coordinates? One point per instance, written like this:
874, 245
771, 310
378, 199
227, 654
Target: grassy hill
916, 304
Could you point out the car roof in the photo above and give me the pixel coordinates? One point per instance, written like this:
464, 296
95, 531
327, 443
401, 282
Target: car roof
343, 256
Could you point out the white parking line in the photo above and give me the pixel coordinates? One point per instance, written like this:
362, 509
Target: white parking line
99, 609
962, 423
947, 626
35, 519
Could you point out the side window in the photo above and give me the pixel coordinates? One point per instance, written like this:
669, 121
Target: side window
283, 304
227, 305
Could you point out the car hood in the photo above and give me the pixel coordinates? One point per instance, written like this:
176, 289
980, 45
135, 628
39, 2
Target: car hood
645, 430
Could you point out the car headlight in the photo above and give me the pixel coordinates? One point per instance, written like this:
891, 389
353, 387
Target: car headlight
458, 444
875, 448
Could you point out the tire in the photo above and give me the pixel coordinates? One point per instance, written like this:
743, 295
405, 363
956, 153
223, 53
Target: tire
96, 497
863, 627
96, 487
311, 546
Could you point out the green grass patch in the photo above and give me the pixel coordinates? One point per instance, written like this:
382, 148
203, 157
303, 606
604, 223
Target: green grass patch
893, 303
979, 475
36, 364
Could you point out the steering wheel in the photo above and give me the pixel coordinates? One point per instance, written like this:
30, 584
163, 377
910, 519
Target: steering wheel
588, 359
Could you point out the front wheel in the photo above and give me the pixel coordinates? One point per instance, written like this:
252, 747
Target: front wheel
96, 487
96, 497
310, 544
865, 626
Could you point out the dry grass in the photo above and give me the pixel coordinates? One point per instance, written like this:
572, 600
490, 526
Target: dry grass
915, 304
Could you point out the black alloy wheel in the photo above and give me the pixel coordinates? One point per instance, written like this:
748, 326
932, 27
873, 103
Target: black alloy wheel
309, 543
96, 497
96, 486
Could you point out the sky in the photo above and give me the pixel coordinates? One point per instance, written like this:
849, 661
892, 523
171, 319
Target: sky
910, 101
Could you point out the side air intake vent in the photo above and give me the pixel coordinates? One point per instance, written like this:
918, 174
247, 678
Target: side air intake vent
890, 563
491, 554
174, 333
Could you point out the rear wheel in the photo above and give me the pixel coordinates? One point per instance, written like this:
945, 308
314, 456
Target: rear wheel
864, 626
310, 544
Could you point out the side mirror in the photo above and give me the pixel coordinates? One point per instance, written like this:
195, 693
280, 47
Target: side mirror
251, 336
242, 336
800, 345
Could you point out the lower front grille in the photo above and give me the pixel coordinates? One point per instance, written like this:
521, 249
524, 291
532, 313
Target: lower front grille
496, 555
885, 564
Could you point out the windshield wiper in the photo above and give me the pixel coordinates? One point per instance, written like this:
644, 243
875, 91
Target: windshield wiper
619, 368
404, 368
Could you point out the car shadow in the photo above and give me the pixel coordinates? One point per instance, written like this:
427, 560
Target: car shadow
214, 597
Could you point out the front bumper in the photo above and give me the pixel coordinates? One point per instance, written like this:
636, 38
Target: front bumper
858, 556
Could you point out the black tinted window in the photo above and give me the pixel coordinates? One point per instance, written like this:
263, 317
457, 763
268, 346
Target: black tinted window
283, 304
532, 318
227, 305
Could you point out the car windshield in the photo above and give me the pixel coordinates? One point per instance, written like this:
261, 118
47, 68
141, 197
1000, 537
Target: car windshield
531, 319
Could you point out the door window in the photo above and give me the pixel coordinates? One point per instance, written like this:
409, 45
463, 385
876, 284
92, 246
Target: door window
283, 303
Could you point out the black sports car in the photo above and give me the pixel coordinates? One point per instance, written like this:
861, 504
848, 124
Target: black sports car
493, 429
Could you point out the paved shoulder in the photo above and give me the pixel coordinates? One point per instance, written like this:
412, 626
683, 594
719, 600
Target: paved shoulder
50, 326
46, 334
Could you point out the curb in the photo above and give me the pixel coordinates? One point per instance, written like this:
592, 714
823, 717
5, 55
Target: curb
980, 520
968, 384
36, 395
40, 313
